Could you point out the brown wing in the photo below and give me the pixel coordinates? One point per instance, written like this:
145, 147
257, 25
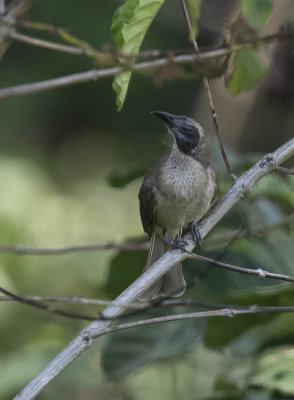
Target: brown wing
148, 201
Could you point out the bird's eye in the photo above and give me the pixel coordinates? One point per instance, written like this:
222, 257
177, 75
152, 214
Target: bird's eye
171, 118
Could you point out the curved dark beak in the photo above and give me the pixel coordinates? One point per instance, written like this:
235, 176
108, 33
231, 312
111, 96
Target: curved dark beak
166, 117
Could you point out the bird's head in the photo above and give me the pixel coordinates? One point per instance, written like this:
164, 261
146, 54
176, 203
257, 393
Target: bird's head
188, 134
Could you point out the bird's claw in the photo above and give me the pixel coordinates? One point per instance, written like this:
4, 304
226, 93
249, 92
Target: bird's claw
195, 232
175, 243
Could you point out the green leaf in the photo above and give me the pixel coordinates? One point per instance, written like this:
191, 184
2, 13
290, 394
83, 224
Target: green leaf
277, 187
249, 69
246, 334
275, 370
128, 350
256, 12
125, 267
120, 86
129, 26
191, 376
194, 12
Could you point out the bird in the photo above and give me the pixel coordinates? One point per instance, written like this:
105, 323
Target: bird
175, 194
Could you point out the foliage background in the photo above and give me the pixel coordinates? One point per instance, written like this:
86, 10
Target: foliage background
65, 156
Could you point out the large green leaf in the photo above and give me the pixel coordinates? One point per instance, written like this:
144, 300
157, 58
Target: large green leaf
125, 267
247, 334
192, 377
128, 350
129, 26
277, 187
249, 69
275, 370
256, 12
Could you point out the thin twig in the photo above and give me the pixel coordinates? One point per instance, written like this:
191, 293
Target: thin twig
226, 312
85, 47
216, 238
261, 272
95, 74
46, 44
208, 92
138, 307
285, 170
184, 301
230, 310
89, 50
24, 250
14, 10
45, 307
75, 299
85, 338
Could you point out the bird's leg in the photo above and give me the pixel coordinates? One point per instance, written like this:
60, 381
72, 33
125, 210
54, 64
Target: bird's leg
174, 243
195, 232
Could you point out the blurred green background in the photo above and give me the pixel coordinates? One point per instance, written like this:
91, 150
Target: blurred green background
70, 170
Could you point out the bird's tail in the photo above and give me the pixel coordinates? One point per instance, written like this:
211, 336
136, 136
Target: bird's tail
173, 282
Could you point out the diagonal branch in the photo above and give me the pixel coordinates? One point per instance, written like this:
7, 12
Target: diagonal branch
85, 338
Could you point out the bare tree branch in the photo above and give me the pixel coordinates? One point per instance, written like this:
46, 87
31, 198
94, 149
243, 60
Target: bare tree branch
95, 74
85, 338
15, 9
213, 240
84, 47
285, 170
230, 310
107, 58
75, 299
46, 44
45, 307
184, 301
24, 250
261, 272
226, 312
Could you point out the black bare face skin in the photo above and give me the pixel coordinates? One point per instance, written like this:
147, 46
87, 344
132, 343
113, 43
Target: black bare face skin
186, 135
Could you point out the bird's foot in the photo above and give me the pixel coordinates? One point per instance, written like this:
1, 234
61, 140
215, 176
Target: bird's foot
195, 232
175, 243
